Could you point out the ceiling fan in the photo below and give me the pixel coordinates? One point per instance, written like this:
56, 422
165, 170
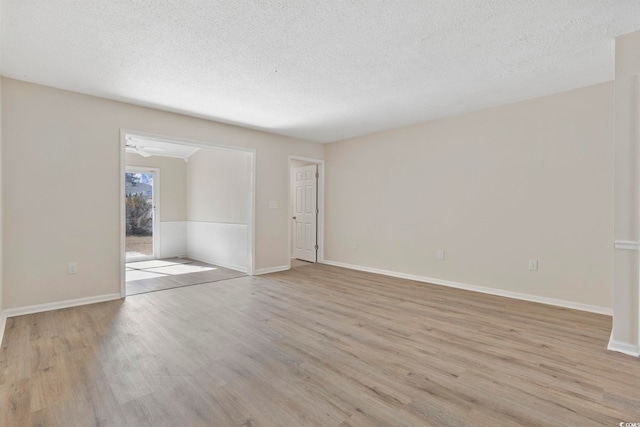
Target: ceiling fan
136, 148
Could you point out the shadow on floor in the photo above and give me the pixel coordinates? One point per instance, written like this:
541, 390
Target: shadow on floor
295, 263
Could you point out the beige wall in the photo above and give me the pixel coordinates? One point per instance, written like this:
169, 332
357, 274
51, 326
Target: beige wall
626, 316
495, 188
61, 188
1, 214
218, 186
173, 184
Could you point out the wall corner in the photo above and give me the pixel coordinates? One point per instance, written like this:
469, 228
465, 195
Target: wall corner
626, 268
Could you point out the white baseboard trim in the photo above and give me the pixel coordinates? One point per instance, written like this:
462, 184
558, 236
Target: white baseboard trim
481, 289
629, 245
623, 347
239, 268
271, 270
39, 308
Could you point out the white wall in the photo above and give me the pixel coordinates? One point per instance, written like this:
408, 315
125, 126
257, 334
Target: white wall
495, 188
173, 201
218, 186
65, 147
218, 203
626, 316
222, 244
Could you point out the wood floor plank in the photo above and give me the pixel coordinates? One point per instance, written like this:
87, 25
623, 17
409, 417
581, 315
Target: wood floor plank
315, 346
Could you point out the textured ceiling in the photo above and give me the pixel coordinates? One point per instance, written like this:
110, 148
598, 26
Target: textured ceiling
321, 70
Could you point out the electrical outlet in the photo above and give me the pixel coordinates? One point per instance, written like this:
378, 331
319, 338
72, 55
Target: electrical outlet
533, 265
72, 268
354, 245
440, 254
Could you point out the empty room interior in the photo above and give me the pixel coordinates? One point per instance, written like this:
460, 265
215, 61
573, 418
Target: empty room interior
320, 213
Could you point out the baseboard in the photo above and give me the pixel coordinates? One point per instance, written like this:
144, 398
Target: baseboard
39, 308
621, 347
271, 270
481, 289
239, 268
627, 244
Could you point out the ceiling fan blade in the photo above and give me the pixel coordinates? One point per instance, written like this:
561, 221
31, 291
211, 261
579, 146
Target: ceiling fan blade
151, 149
136, 150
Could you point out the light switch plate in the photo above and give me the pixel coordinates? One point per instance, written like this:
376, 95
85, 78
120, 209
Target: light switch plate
72, 268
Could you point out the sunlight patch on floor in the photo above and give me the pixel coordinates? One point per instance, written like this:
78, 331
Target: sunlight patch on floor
154, 263
152, 269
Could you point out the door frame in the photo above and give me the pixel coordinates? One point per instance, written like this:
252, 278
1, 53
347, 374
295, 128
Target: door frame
251, 225
320, 206
155, 200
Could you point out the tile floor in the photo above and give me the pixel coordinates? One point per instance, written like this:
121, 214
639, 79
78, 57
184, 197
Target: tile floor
160, 274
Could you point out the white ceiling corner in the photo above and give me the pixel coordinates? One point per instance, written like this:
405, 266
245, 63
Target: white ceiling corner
320, 70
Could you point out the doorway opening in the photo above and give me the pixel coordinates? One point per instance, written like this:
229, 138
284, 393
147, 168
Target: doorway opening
141, 213
203, 228
306, 209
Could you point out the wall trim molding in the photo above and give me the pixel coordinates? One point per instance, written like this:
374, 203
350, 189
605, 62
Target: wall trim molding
239, 268
481, 289
174, 239
623, 347
271, 270
244, 224
627, 244
222, 244
39, 308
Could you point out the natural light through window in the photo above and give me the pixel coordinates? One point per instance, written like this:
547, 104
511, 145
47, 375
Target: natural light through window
159, 268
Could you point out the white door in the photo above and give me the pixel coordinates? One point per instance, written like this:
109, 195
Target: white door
305, 212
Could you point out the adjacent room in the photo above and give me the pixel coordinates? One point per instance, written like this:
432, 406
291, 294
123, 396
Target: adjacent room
187, 211
319, 213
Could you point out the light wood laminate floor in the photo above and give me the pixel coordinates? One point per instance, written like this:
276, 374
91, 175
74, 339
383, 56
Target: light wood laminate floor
315, 346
